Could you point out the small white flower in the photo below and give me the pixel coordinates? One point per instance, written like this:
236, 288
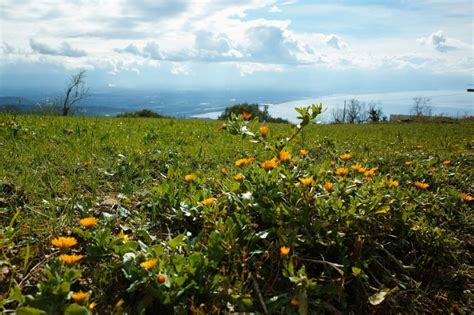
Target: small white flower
128, 257
247, 195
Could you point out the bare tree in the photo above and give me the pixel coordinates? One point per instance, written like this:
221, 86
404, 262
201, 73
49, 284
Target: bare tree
421, 106
354, 110
339, 114
75, 91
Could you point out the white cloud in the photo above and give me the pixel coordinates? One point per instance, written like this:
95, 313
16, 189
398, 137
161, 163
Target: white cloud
178, 68
64, 50
439, 42
249, 68
275, 9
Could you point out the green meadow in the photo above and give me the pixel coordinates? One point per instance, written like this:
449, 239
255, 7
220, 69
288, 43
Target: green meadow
192, 217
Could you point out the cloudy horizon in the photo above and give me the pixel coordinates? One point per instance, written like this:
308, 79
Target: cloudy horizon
315, 45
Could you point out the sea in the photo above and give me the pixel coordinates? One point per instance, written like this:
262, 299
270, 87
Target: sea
209, 104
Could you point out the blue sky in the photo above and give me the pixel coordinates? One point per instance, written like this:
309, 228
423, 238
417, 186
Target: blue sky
321, 46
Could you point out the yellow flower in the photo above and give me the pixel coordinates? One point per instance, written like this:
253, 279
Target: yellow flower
408, 162
64, 242
239, 177
123, 236
189, 178
392, 183
284, 251
303, 153
328, 186
208, 202
161, 278
264, 131
246, 115
342, 171
79, 296
70, 259
308, 181
270, 164
333, 162
92, 306
88, 222
419, 146
446, 162
244, 162
284, 156
358, 168
149, 264
421, 185
466, 197
345, 156
223, 170
370, 172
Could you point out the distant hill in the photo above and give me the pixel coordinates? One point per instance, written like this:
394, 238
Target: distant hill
15, 100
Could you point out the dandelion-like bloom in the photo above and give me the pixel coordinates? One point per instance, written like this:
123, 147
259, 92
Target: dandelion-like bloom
239, 177
284, 156
264, 131
284, 251
342, 171
92, 306
161, 278
123, 237
246, 115
270, 164
466, 197
189, 178
393, 183
294, 302
304, 153
244, 162
446, 162
370, 172
149, 264
64, 242
223, 170
79, 296
208, 202
308, 181
88, 222
421, 185
70, 259
358, 168
328, 186
345, 156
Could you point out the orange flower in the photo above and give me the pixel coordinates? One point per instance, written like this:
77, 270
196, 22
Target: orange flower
342, 171
466, 197
246, 115
149, 264
244, 162
421, 185
446, 162
88, 222
123, 236
79, 296
239, 177
345, 156
308, 181
432, 170
189, 178
270, 164
64, 242
294, 302
208, 202
284, 156
328, 186
370, 172
303, 153
284, 251
392, 183
358, 168
161, 278
70, 259
419, 146
264, 131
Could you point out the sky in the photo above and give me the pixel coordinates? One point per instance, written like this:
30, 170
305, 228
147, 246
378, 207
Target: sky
337, 46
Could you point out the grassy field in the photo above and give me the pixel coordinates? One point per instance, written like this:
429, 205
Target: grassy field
364, 218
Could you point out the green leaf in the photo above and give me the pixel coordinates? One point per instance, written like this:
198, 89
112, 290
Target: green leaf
29, 311
76, 309
356, 271
175, 242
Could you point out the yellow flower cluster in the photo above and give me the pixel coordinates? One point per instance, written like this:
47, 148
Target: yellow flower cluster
244, 162
306, 181
341, 171
88, 222
270, 164
208, 202
149, 264
345, 156
284, 156
421, 185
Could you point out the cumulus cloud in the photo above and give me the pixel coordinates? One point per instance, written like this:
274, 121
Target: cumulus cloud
248, 68
275, 9
438, 41
64, 50
335, 42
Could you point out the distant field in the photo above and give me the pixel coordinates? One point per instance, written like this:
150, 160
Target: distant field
367, 238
